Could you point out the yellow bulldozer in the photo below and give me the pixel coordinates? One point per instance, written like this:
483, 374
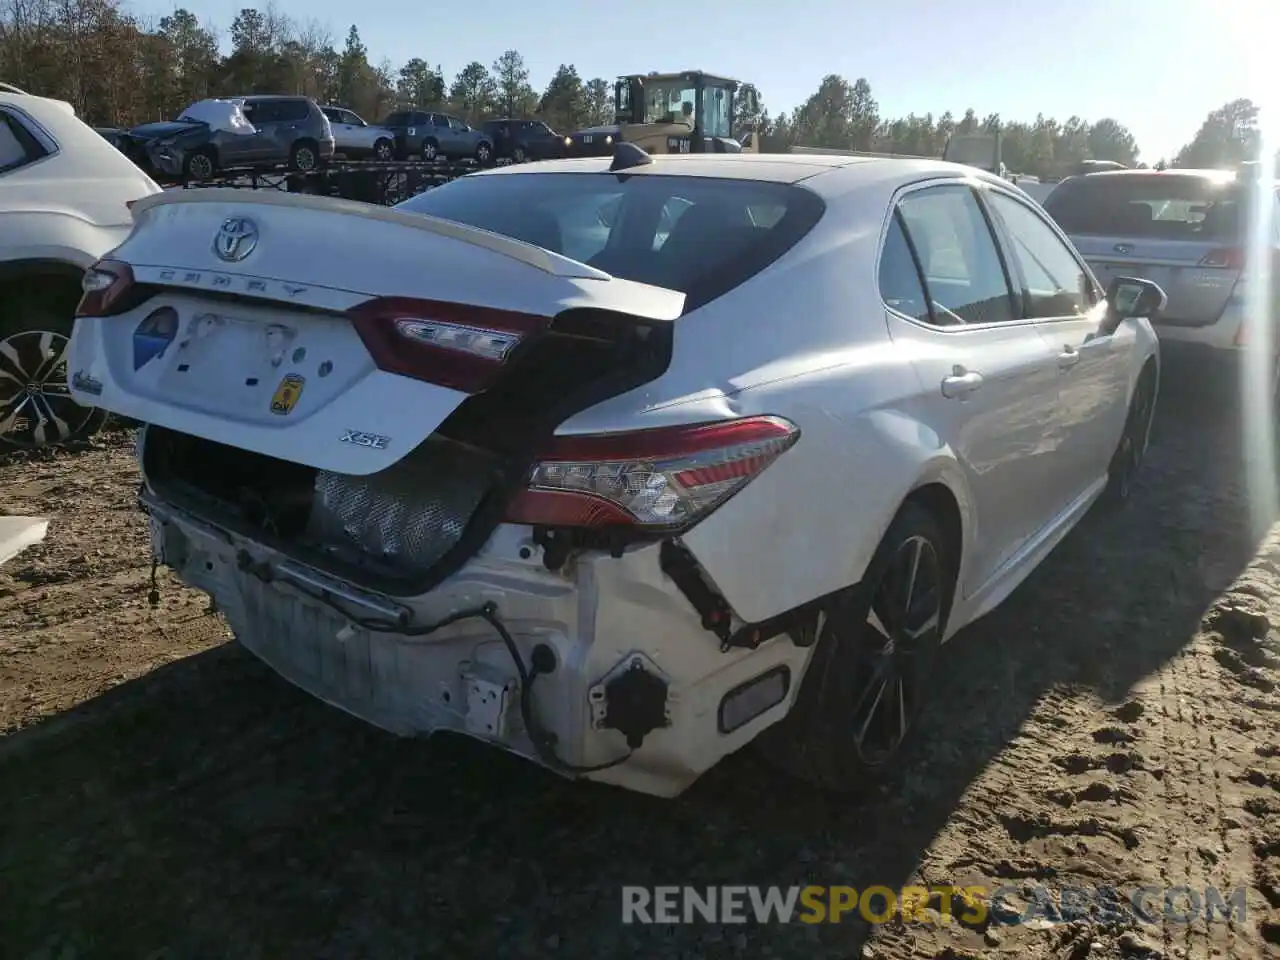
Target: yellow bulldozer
687, 112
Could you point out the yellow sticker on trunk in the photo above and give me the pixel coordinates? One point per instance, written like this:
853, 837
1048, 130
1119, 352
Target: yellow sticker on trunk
287, 394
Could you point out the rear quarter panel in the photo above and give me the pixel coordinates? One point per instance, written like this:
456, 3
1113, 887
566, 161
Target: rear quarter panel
806, 340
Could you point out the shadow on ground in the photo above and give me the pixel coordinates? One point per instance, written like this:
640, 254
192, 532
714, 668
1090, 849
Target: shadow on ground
211, 810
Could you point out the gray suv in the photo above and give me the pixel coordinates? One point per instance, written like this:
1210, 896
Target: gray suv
437, 136
289, 131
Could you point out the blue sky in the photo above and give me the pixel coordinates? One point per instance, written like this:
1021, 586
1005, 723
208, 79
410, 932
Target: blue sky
1156, 65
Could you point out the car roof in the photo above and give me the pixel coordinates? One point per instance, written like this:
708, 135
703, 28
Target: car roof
274, 96
768, 167
1110, 176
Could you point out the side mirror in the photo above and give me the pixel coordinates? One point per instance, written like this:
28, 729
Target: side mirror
1132, 298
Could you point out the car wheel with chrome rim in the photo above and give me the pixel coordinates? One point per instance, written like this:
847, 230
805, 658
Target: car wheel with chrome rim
36, 406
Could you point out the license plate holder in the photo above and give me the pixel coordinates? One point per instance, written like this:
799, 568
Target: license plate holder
228, 359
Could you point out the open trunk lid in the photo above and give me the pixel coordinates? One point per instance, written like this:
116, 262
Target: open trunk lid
329, 333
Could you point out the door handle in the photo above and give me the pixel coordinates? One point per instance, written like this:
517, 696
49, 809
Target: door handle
961, 383
1068, 358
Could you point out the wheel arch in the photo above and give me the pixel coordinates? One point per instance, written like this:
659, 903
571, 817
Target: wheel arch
30, 278
14, 270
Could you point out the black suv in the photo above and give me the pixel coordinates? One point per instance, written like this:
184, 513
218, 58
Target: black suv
437, 136
521, 140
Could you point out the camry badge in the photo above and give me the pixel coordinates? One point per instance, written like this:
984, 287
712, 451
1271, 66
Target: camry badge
236, 239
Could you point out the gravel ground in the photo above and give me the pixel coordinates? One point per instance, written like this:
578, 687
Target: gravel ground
164, 795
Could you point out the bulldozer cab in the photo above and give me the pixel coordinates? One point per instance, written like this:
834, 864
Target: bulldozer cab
690, 112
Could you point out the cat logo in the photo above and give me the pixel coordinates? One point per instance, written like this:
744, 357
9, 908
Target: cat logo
287, 394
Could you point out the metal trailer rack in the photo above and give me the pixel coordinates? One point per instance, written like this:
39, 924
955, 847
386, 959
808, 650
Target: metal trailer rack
385, 184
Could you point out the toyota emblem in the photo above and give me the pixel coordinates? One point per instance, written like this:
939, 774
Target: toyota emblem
236, 239
1122, 248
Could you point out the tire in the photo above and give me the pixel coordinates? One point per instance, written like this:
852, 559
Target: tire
863, 691
36, 408
1132, 448
200, 165
430, 151
384, 150
519, 156
304, 157
484, 153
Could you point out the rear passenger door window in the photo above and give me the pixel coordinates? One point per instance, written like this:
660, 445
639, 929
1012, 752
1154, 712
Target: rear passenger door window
964, 278
1053, 281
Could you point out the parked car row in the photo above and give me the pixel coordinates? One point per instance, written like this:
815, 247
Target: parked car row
263, 132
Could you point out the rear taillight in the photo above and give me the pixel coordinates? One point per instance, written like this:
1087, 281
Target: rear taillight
449, 344
1231, 258
662, 479
1235, 258
105, 285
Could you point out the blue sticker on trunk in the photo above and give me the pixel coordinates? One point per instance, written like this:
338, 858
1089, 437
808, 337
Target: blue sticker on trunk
153, 335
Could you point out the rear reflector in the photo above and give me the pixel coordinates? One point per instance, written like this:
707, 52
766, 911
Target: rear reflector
105, 285
452, 345
663, 479
747, 701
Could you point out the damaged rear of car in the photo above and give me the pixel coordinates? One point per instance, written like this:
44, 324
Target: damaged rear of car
355, 443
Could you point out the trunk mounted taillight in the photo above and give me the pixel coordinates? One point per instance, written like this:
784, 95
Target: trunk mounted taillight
662, 479
453, 345
105, 286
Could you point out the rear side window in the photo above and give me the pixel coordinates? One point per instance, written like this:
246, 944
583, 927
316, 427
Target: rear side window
899, 279
261, 111
1165, 206
963, 274
335, 116
694, 235
290, 111
17, 145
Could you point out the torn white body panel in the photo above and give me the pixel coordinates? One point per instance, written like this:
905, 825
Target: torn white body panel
19, 533
594, 622
224, 115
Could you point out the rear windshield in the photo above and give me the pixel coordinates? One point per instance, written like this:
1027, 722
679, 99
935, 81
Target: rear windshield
700, 236
1160, 206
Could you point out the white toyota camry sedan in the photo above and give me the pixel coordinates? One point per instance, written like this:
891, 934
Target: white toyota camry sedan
619, 464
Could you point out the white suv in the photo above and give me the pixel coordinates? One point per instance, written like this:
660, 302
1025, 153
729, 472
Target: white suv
64, 202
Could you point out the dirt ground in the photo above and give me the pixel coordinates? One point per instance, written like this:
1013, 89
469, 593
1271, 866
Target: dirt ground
162, 795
